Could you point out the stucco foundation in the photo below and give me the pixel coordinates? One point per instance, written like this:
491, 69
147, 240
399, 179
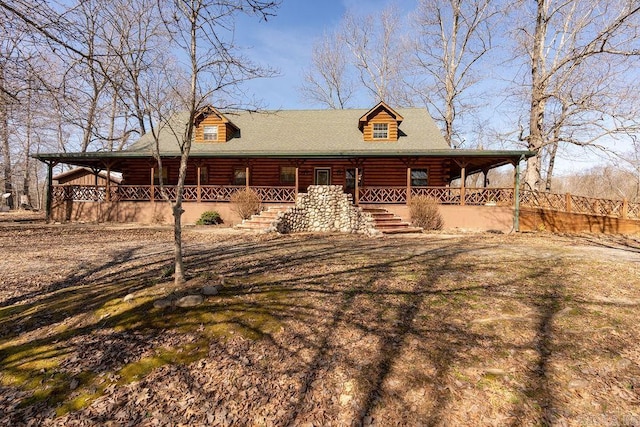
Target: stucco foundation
141, 212
475, 218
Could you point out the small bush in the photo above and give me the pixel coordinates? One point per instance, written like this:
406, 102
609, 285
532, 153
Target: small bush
245, 203
425, 213
209, 218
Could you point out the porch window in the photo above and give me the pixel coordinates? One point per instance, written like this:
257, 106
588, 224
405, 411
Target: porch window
210, 133
419, 178
380, 131
350, 179
287, 175
239, 176
156, 176
204, 175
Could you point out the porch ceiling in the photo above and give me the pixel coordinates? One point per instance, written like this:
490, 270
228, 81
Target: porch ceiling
473, 160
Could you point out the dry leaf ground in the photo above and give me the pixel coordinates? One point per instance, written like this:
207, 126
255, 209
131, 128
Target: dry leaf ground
451, 330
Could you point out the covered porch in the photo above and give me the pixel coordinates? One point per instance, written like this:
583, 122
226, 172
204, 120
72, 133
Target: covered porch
388, 179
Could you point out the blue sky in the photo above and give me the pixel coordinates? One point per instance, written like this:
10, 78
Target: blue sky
286, 40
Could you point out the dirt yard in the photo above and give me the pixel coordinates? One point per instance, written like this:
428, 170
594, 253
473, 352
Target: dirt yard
436, 330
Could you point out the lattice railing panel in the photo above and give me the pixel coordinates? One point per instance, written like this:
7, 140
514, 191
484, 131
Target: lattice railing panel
444, 195
211, 193
484, 196
633, 210
80, 193
59, 193
133, 193
383, 195
190, 193
543, 200
169, 190
594, 206
276, 194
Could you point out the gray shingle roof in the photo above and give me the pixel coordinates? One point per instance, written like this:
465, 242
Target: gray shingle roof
307, 131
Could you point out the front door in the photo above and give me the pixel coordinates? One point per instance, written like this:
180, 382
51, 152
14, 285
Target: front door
323, 176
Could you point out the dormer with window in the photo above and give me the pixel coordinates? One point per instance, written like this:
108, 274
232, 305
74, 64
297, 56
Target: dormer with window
380, 124
211, 126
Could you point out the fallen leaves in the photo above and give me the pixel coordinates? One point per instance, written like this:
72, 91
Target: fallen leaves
317, 330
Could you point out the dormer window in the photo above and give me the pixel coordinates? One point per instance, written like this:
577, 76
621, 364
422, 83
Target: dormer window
210, 133
380, 124
380, 131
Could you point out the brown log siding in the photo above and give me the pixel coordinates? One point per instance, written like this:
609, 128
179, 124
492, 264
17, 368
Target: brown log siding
381, 117
266, 172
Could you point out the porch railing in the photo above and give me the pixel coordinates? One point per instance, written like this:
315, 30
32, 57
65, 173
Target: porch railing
580, 204
444, 195
368, 195
136, 193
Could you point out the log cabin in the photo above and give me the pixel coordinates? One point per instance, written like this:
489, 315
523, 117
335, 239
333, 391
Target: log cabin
382, 157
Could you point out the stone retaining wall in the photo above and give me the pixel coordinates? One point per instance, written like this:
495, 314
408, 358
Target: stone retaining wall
325, 208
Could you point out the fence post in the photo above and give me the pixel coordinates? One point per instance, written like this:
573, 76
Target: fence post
625, 208
567, 202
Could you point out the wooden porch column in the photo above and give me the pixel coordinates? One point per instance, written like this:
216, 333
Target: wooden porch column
486, 178
357, 187
516, 196
107, 196
198, 186
295, 194
408, 185
153, 188
463, 178
49, 194
246, 177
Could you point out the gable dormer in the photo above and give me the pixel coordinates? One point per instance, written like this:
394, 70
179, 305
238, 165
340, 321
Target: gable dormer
380, 124
211, 126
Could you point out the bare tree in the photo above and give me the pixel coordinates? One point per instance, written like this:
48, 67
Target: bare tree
453, 36
576, 50
379, 53
202, 30
328, 81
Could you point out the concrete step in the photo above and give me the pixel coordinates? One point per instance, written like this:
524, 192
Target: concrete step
389, 223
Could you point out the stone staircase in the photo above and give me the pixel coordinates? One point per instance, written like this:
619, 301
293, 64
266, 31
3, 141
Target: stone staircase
388, 223
384, 221
263, 220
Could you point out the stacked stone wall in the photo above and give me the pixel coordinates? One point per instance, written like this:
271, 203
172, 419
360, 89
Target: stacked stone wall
325, 208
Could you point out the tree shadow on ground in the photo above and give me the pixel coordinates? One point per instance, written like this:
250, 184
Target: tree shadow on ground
394, 296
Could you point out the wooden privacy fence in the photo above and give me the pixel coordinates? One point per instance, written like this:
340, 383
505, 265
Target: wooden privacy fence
578, 204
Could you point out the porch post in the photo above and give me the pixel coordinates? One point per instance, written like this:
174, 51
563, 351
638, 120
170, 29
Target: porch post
625, 208
49, 194
297, 183
486, 178
246, 177
107, 196
516, 196
408, 185
357, 187
153, 188
463, 178
198, 188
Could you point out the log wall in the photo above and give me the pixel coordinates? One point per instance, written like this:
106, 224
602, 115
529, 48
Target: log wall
266, 172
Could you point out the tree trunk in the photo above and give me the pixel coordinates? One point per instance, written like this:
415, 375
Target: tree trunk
532, 176
552, 162
4, 135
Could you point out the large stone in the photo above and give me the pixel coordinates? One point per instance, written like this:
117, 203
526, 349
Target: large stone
162, 303
210, 290
189, 301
